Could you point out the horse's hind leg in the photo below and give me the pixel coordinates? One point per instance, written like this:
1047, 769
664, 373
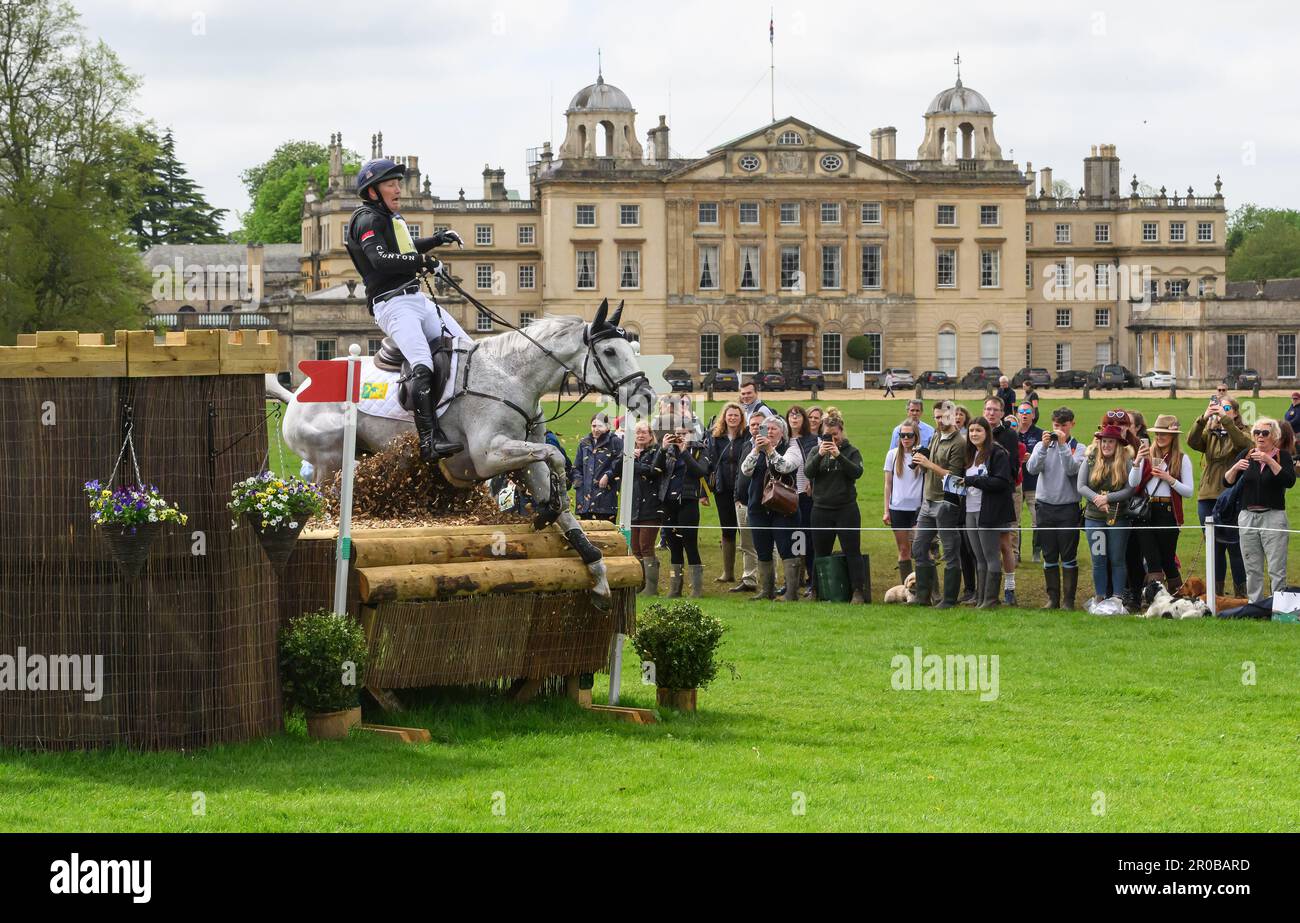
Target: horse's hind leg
540, 479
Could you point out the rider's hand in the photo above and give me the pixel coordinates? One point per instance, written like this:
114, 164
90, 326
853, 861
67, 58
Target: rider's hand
442, 238
431, 264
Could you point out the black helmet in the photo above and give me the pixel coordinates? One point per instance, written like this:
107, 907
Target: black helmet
375, 172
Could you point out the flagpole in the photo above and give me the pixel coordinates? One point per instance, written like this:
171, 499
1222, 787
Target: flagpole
344, 547
771, 43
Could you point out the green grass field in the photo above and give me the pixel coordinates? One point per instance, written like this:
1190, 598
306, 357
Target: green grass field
1098, 725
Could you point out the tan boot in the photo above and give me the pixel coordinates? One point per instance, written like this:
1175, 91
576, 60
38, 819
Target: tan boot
728, 561
696, 573
675, 582
650, 565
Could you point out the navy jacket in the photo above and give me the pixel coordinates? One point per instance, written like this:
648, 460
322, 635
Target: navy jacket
997, 504
594, 460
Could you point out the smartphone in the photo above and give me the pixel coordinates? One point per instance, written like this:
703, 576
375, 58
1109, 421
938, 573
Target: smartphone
825, 438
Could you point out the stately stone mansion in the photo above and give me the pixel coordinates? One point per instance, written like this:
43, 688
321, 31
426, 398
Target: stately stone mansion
800, 240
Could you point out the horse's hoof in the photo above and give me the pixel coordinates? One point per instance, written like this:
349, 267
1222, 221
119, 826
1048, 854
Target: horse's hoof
603, 603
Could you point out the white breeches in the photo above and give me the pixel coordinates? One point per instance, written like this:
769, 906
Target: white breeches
412, 321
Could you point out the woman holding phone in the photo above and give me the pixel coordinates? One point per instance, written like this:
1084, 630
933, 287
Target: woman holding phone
990, 509
1268, 473
803, 443
903, 485
1164, 473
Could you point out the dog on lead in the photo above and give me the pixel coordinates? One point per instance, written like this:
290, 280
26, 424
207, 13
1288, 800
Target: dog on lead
1194, 588
1161, 604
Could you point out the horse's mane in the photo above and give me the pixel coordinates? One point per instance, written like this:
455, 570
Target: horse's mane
511, 346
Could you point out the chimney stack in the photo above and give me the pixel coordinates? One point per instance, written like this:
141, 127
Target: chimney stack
1045, 181
659, 141
884, 143
494, 182
256, 261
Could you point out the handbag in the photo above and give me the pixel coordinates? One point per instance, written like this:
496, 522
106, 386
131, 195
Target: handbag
779, 494
1138, 509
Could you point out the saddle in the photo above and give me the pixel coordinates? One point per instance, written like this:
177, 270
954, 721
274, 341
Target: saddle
390, 359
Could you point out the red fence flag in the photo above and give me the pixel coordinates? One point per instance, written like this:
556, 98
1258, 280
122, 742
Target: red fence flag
329, 381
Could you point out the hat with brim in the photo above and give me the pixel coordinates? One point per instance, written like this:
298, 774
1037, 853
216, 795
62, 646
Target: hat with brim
1166, 424
1110, 432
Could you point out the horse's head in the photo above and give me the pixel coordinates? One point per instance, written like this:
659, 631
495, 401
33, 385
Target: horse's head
611, 365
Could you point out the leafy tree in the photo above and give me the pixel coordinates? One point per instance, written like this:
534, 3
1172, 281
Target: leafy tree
1269, 251
1249, 218
1062, 189
735, 346
172, 210
67, 177
276, 190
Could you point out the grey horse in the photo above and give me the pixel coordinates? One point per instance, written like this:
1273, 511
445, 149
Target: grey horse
497, 415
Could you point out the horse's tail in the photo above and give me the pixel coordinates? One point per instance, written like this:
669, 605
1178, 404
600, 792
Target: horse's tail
276, 390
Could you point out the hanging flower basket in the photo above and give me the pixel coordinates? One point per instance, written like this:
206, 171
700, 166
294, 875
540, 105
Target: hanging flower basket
277, 541
130, 545
130, 519
277, 509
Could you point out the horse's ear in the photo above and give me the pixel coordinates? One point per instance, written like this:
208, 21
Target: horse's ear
601, 313
616, 316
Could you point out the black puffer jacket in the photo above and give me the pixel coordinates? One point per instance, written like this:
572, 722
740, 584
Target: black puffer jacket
682, 472
725, 455
649, 473
997, 503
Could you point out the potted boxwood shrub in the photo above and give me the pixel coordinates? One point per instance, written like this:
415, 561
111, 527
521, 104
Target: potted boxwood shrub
680, 641
322, 661
130, 517
277, 508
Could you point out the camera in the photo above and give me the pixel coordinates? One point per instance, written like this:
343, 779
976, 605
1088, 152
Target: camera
921, 451
1049, 439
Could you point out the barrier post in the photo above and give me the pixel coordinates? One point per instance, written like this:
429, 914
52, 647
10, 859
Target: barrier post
344, 551
1211, 582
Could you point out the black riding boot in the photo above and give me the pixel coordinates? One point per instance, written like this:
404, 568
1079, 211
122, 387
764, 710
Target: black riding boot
433, 444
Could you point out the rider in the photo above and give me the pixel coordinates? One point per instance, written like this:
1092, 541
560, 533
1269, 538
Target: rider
382, 250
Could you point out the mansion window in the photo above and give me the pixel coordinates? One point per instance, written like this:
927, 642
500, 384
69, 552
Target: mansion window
749, 213
875, 353
483, 323
990, 268
1029, 275
831, 266
1176, 288
1102, 317
1062, 356
483, 276
1063, 317
629, 269
1063, 234
1177, 232
527, 277
871, 213
1150, 232
708, 213
373, 345
789, 212
753, 353
586, 273
830, 213
526, 319
1101, 233
946, 268
325, 349
989, 216
946, 216
791, 276
1063, 279
1236, 352
750, 268
871, 266
1101, 276
585, 216
527, 235
413, 228
1286, 355
1029, 233
946, 351
708, 267
1205, 232
790, 137
482, 235
629, 215
831, 355
708, 352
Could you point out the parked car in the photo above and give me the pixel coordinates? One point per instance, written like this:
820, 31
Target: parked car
1246, 378
981, 375
1112, 376
678, 380
721, 380
1156, 379
1073, 378
769, 380
1035, 378
936, 380
902, 378
809, 375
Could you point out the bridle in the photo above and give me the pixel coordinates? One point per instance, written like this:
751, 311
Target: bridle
591, 335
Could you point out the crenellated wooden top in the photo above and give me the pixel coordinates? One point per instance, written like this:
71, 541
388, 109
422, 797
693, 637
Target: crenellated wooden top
140, 354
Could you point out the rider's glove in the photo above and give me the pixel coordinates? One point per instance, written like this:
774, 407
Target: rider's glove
443, 238
431, 264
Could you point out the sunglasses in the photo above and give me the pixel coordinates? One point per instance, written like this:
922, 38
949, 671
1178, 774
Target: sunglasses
1116, 415
1026, 413
907, 435
1261, 432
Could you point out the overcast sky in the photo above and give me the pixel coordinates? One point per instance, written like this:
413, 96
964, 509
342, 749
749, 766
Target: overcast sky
1185, 90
